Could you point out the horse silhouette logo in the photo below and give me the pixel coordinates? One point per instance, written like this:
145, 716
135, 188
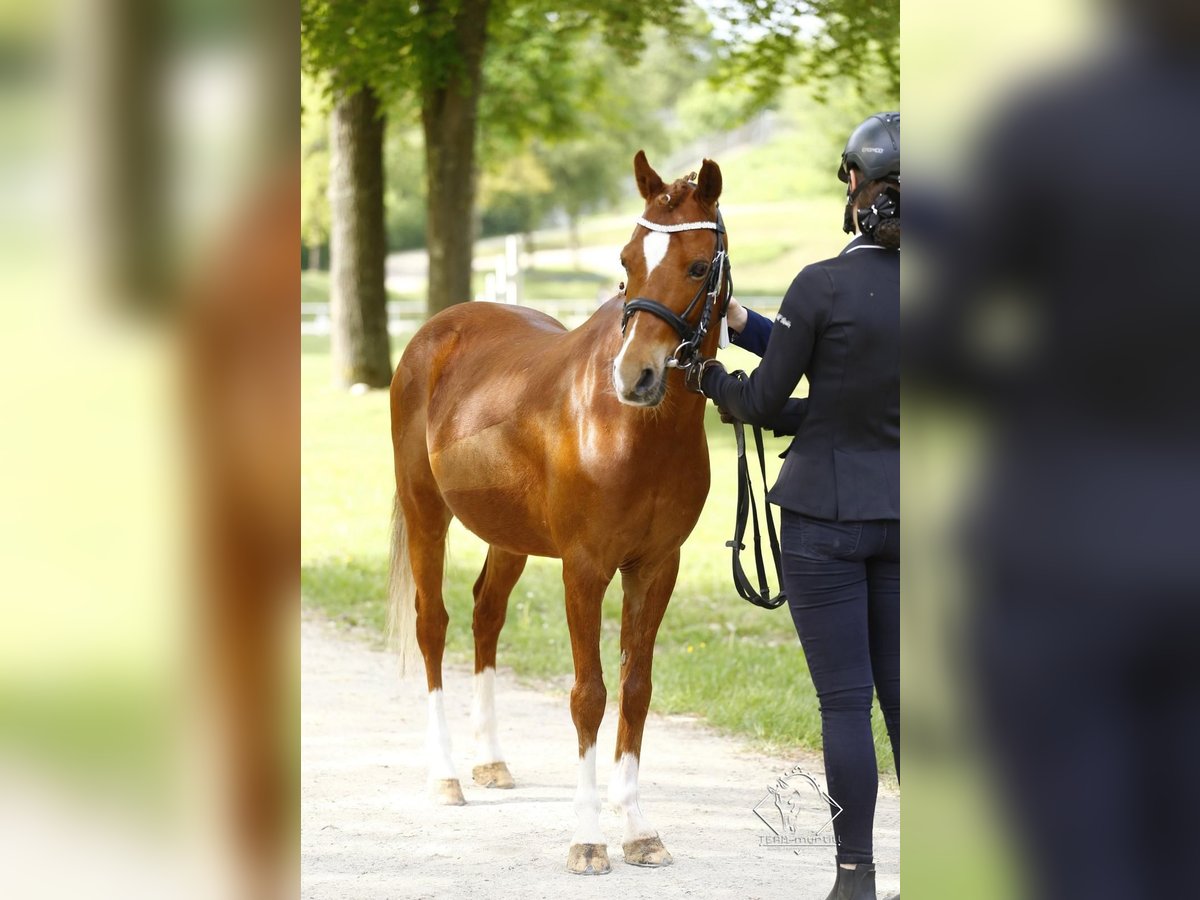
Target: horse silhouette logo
798, 811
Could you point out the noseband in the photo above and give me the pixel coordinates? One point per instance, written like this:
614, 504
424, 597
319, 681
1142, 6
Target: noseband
718, 287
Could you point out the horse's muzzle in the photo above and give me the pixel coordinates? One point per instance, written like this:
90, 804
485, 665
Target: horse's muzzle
648, 390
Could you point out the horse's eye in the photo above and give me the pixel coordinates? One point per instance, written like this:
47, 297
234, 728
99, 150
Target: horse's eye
697, 269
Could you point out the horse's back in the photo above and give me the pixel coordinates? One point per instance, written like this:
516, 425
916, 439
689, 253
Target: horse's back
465, 334
483, 323
472, 344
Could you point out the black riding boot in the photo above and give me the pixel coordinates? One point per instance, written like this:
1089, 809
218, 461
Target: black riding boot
854, 884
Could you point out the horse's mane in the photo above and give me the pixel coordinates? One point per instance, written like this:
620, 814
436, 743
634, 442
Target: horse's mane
674, 193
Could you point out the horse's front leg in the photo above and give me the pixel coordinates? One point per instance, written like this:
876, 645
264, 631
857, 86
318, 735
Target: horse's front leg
584, 593
647, 591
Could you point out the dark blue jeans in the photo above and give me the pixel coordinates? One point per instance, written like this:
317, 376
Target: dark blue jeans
843, 587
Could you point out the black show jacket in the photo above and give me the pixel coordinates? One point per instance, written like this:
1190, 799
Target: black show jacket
839, 324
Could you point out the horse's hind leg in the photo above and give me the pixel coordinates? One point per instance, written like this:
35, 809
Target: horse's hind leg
492, 589
422, 519
428, 520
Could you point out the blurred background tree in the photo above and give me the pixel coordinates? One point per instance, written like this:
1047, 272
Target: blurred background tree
585, 176
358, 53
314, 180
314, 208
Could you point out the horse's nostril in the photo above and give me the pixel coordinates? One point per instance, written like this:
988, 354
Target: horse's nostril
645, 381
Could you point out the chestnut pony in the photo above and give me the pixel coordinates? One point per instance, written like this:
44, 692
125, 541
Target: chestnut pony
583, 445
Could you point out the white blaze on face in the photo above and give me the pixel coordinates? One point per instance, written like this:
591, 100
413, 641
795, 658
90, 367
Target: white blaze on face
437, 744
623, 796
483, 718
654, 249
618, 381
587, 802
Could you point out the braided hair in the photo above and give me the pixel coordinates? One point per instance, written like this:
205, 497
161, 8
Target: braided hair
876, 207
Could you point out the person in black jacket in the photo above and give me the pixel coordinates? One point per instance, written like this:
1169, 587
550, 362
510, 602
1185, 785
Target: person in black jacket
839, 488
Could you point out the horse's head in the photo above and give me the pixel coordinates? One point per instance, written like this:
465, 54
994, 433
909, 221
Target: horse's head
670, 268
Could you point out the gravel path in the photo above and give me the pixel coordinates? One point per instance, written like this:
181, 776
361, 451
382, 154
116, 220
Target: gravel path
368, 830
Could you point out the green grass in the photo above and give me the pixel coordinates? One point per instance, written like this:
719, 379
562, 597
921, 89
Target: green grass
109, 735
769, 244
314, 288
738, 666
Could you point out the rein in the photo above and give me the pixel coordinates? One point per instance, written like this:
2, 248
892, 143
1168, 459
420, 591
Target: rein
747, 508
717, 286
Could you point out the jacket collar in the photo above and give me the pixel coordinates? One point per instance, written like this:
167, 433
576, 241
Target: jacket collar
861, 241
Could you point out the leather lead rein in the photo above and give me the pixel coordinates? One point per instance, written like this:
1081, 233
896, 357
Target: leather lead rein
747, 509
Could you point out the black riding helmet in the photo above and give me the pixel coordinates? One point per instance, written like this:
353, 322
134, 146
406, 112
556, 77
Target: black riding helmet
874, 150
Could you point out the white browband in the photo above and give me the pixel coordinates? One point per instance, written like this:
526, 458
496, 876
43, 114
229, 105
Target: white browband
682, 226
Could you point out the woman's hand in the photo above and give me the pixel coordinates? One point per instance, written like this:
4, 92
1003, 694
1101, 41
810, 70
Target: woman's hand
727, 417
736, 316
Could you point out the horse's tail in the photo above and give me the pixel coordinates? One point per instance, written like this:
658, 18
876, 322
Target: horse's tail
402, 596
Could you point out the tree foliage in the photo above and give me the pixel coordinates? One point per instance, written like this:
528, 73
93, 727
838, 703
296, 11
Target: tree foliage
404, 192
400, 49
769, 44
516, 195
570, 151
551, 67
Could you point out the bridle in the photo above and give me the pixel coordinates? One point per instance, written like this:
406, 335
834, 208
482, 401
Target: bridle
717, 288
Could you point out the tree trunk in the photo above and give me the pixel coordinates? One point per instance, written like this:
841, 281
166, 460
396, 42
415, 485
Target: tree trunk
358, 245
449, 114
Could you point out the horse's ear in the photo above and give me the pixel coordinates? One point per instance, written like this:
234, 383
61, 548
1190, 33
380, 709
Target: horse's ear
708, 187
648, 181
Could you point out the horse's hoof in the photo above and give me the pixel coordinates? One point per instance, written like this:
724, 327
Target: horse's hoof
647, 851
448, 792
588, 859
492, 775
